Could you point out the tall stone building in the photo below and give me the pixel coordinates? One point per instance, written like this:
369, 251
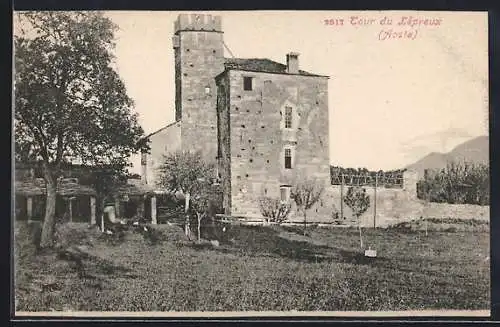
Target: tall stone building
266, 123
273, 129
199, 57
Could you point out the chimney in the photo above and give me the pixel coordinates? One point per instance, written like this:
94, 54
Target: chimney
292, 63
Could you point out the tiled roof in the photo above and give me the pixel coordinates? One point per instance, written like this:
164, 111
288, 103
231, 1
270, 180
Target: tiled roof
65, 187
260, 65
70, 186
135, 187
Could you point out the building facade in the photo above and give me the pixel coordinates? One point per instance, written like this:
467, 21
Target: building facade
265, 123
273, 130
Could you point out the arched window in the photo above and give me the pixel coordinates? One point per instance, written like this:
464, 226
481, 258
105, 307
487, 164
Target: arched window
288, 117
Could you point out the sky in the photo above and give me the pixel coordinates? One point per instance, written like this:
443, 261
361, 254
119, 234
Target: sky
391, 101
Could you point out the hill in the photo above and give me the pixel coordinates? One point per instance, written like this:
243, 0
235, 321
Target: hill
475, 151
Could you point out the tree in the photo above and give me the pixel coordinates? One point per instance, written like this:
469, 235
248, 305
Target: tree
69, 100
187, 172
306, 193
204, 203
274, 209
459, 182
357, 199
105, 180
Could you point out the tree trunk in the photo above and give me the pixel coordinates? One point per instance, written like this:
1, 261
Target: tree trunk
186, 211
200, 217
305, 221
50, 209
360, 235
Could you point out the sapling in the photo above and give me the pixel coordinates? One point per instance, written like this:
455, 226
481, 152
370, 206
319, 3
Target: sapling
357, 199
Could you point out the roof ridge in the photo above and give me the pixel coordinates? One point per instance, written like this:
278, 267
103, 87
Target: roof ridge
161, 129
265, 65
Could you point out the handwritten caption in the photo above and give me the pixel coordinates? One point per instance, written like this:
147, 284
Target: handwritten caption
392, 28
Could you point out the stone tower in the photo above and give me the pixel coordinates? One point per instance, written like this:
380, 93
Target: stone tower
199, 57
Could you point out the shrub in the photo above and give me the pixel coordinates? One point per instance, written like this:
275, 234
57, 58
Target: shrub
458, 183
152, 235
26, 237
68, 234
274, 209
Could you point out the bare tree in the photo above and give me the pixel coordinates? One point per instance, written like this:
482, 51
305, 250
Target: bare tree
306, 193
274, 209
357, 199
188, 173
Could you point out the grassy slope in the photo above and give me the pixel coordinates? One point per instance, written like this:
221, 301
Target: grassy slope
264, 268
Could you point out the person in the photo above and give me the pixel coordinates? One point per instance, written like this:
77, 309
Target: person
109, 212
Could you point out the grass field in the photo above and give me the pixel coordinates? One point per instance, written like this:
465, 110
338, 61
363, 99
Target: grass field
255, 268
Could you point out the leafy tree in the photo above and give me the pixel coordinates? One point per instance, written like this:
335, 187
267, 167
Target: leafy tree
357, 199
105, 180
459, 182
69, 100
306, 193
188, 173
204, 204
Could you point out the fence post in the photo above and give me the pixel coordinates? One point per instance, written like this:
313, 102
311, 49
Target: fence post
375, 202
342, 198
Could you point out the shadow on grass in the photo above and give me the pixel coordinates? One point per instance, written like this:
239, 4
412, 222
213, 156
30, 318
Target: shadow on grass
264, 241
89, 266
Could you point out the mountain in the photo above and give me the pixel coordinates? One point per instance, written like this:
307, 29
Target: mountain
475, 151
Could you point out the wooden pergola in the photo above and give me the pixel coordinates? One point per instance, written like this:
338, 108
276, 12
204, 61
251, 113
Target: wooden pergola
137, 188
69, 188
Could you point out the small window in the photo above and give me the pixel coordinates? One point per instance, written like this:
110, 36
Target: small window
285, 194
288, 117
207, 89
247, 83
288, 159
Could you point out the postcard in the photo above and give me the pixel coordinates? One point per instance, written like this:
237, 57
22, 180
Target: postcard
251, 163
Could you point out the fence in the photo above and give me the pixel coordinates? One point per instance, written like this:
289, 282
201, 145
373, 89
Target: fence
375, 180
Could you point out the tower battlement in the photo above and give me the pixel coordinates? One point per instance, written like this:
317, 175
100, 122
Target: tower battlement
198, 22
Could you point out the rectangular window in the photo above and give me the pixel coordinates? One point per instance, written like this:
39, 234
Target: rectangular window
285, 193
288, 159
288, 117
247, 83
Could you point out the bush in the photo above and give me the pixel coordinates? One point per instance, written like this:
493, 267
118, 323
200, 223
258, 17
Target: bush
152, 235
68, 234
26, 237
274, 209
458, 183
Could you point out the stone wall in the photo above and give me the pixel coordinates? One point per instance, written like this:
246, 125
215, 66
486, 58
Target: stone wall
393, 206
199, 57
224, 141
166, 140
258, 137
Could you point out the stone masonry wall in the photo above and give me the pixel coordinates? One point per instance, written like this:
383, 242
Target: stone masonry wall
393, 206
224, 141
162, 142
258, 138
199, 58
